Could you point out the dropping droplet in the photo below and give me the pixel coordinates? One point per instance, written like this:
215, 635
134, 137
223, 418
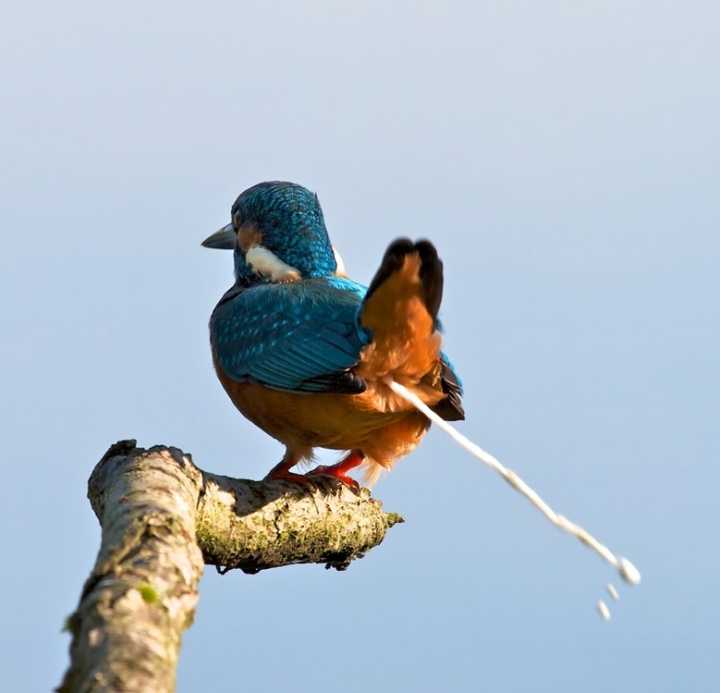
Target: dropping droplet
603, 610
612, 591
629, 572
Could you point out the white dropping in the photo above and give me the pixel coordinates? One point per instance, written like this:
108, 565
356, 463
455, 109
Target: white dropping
629, 572
625, 568
603, 610
265, 262
340, 271
612, 591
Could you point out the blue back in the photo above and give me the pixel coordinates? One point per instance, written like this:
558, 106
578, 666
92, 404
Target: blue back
302, 336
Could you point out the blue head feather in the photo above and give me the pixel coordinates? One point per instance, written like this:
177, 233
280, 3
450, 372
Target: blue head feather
290, 223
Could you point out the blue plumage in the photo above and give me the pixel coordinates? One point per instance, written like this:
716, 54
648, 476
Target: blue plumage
300, 337
291, 223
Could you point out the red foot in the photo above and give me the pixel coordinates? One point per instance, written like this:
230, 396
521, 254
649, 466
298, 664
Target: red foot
339, 470
281, 472
323, 470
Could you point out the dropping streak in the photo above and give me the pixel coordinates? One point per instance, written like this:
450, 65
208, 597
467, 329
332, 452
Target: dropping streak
627, 570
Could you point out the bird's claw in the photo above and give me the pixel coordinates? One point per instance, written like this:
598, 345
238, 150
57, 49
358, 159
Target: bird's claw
285, 475
332, 471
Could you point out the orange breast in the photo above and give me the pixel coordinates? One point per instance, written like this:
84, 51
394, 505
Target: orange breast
338, 422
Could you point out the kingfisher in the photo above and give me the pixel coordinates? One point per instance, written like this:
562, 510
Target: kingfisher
306, 353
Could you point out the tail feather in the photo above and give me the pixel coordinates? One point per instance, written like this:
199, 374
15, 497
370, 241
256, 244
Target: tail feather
431, 277
430, 271
392, 261
400, 309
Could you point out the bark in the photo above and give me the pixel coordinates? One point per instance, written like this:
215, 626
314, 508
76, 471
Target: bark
162, 518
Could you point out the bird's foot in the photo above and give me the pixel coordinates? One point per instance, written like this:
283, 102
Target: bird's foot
339, 471
281, 472
330, 470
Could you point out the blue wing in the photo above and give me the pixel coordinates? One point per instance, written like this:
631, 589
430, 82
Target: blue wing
302, 336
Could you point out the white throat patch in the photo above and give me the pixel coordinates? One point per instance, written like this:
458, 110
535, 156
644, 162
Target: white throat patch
265, 262
340, 271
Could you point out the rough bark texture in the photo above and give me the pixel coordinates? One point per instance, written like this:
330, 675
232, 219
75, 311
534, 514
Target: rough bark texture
161, 519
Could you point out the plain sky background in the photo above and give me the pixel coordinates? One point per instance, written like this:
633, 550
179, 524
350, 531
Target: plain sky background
563, 156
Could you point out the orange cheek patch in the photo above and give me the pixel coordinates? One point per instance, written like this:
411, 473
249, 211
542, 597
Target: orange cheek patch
248, 236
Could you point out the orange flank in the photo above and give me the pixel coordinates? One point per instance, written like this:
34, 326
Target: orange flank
327, 420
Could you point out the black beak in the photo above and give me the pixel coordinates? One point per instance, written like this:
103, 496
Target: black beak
223, 238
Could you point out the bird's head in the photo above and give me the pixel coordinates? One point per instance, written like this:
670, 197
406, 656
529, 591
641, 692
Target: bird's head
277, 232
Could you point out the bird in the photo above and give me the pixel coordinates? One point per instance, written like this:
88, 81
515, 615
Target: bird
306, 353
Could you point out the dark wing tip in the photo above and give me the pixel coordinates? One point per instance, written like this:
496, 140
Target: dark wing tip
431, 270
450, 408
343, 383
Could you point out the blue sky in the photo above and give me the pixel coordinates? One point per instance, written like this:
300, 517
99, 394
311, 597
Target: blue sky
564, 158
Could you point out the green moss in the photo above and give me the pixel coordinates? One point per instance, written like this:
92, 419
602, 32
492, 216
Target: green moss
393, 519
148, 593
70, 625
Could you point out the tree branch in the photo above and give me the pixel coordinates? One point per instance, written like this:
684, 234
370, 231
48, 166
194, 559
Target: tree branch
162, 518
